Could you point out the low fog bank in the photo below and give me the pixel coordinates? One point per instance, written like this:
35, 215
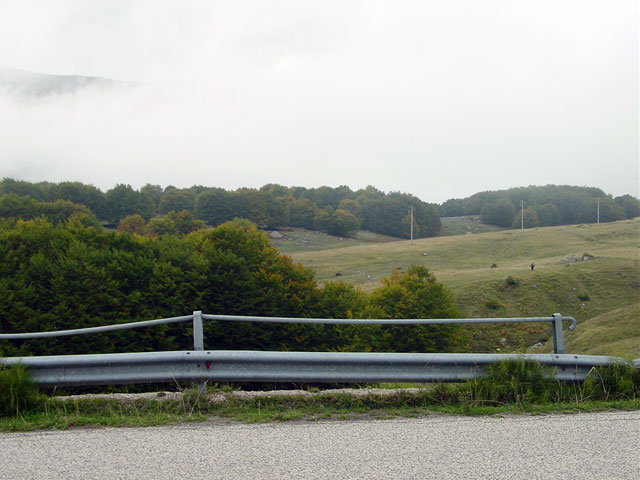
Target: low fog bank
231, 135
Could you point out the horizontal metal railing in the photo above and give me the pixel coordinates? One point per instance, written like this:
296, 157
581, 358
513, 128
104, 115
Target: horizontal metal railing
556, 319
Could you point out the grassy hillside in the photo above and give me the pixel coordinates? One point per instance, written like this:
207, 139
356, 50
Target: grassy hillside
601, 287
296, 240
465, 226
615, 333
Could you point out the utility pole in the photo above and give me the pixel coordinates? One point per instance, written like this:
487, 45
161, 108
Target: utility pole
598, 214
411, 212
521, 214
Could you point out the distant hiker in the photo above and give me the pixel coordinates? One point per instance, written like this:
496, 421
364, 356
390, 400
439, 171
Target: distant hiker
533, 265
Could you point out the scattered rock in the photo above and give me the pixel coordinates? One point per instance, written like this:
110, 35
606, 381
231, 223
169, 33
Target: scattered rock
276, 235
504, 341
538, 345
574, 259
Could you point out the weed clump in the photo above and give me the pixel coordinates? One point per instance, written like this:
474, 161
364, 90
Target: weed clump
493, 304
18, 394
613, 382
512, 281
584, 296
521, 382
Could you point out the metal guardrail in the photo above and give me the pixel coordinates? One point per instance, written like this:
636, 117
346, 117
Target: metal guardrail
251, 366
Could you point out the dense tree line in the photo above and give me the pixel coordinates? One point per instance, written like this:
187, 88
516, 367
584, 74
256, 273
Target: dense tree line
338, 211
68, 275
544, 206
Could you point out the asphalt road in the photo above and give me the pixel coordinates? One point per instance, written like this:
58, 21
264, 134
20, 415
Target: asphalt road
579, 446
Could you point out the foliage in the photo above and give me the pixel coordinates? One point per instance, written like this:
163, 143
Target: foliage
416, 294
133, 224
526, 382
122, 200
18, 394
303, 213
37, 191
78, 193
70, 276
154, 192
529, 219
175, 223
176, 200
511, 281
216, 206
26, 208
336, 222
608, 382
514, 382
553, 204
388, 214
500, 212
629, 204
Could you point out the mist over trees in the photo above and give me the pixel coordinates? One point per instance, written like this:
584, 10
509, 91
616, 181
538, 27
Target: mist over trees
544, 206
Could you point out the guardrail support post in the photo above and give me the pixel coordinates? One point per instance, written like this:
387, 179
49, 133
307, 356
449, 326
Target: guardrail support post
198, 337
198, 343
558, 334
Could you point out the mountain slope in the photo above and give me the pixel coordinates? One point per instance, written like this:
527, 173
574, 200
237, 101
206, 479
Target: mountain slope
598, 287
30, 84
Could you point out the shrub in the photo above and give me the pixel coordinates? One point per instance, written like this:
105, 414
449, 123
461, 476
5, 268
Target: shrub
494, 265
492, 304
18, 394
584, 296
512, 281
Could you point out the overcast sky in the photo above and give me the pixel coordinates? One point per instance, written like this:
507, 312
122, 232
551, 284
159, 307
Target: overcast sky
440, 99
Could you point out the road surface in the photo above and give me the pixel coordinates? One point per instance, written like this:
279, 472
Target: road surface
578, 446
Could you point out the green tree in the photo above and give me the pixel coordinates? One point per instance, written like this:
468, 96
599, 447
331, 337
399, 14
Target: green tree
548, 214
303, 213
79, 193
26, 208
530, 219
176, 200
216, 206
417, 294
499, 213
351, 206
175, 223
629, 204
122, 200
154, 192
454, 207
37, 191
133, 224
